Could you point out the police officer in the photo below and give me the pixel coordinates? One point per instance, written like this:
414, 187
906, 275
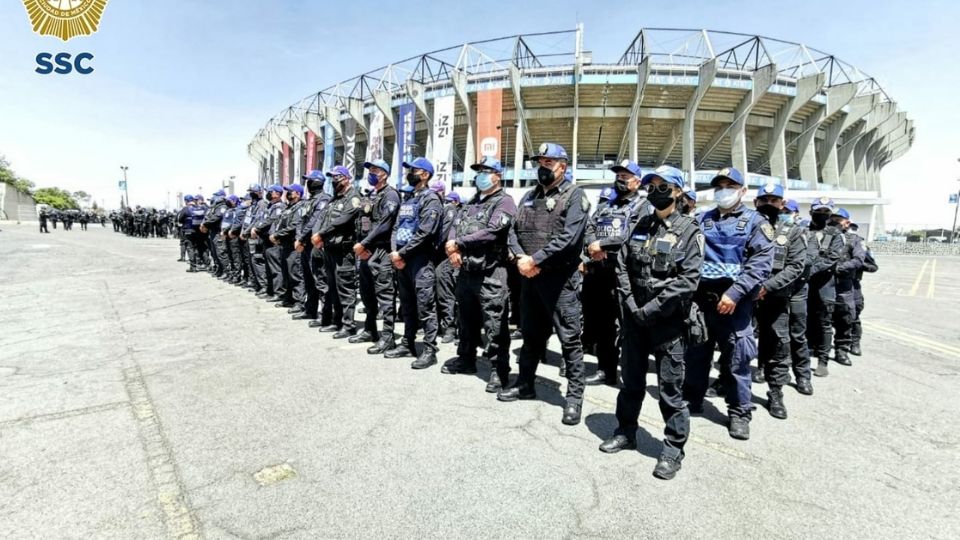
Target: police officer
240, 252
193, 218
738, 257
231, 259
255, 247
477, 246
605, 234
773, 306
547, 243
337, 236
284, 236
869, 265
376, 271
447, 273
845, 309
416, 244
799, 351
828, 242
212, 224
263, 229
659, 268
43, 221
310, 265
186, 225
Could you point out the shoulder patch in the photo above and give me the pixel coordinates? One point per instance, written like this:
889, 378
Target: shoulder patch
584, 203
701, 242
767, 231
355, 202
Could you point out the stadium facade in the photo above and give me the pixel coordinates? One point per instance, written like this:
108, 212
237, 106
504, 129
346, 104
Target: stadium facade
696, 99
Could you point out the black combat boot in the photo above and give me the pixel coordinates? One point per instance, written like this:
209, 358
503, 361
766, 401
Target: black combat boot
459, 365
426, 359
617, 443
855, 349
822, 370
775, 403
804, 386
667, 467
739, 428
571, 414
840, 356
385, 344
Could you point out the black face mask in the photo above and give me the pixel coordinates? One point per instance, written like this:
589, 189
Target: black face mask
661, 200
314, 187
254, 196
412, 179
545, 176
685, 208
769, 211
620, 186
819, 220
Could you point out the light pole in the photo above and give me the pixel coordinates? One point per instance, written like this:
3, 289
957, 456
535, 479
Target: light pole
126, 192
956, 207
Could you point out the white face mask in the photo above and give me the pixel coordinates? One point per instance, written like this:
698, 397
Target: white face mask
727, 197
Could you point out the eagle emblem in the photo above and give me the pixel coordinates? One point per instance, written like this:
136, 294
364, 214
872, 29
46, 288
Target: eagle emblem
65, 19
770, 187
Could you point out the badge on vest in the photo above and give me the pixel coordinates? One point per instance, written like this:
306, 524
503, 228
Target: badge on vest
551, 204
782, 240
767, 231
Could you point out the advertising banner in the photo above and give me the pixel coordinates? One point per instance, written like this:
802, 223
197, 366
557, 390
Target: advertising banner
443, 120
489, 114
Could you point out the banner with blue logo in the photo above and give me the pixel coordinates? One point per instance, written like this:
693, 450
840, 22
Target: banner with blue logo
328, 150
406, 133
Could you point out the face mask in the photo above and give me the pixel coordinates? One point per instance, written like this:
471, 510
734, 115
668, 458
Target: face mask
620, 186
484, 181
661, 200
545, 176
819, 219
769, 211
412, 179
314, 187
785, 218
727, 197
373, 179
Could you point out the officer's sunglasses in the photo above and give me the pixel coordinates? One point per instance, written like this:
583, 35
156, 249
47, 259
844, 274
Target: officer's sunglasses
659, 188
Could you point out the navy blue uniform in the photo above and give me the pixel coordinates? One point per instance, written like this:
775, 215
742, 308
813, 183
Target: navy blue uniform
738, 256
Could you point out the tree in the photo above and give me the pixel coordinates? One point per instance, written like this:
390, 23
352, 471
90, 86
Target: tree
55, 197
7, 176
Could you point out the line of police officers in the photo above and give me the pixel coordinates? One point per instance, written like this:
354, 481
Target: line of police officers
641, 276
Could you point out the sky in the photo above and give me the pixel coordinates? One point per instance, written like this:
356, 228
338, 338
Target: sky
180, 87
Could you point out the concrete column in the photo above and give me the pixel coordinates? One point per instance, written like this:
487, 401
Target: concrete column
763, 78
459, 80
807, 87
382, 99
829, 164
523, 134
628, 144
706, 76
518, 154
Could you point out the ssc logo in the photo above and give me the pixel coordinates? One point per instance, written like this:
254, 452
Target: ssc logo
65, 19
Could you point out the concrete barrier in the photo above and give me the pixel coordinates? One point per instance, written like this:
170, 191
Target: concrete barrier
915, 248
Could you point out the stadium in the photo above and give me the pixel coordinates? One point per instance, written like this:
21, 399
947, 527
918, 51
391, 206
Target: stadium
700, 100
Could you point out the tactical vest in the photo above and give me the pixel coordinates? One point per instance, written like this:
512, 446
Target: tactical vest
196, 216
408, 218
228, 217
540, 220
334, 209
365, 221
652, 257
376, 213
725, 244
611, 220
471, 219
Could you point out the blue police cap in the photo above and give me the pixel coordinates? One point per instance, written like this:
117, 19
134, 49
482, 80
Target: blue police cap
552, 151
729, 173
294, 187
198, 197
627, 166
377, 163
256, 188
668, 174
276, 188
608, 193
822, 202
339, 170
421, 163
792, 206
219, 193
690, 193
842, 212
313, 175
188, 198
770, 189
488, 163
453, 196
234, 199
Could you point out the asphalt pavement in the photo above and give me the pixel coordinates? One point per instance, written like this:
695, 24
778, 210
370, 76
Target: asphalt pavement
140, 401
